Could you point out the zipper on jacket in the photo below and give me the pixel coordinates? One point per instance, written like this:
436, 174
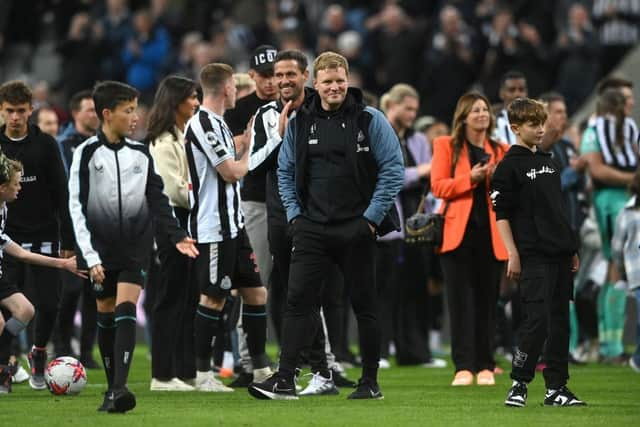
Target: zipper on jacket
119, 191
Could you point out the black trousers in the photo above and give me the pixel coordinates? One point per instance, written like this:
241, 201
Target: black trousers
471, 277
351, 245
280, 245
173, 308
387, 252
546, 287
76, 289
411, 311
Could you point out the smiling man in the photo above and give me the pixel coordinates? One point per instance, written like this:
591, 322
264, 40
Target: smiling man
339, 169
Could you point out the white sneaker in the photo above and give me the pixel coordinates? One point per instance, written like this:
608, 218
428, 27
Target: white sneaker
384, 363
21, 375
319, 385
174, 384
205, 381
435, 363
260, 375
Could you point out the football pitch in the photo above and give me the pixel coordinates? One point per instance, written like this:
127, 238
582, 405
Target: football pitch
413, 396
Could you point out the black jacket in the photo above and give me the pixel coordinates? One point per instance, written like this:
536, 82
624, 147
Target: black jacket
525, 189
41, 212
356, 119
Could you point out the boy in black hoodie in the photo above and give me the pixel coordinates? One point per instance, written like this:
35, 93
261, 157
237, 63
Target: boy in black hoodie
532, 222
38, 220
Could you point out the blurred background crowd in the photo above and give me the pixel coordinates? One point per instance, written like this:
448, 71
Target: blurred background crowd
441, 47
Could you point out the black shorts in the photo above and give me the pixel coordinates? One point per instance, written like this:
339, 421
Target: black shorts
41, 285
109, 286
226, 265
7, 289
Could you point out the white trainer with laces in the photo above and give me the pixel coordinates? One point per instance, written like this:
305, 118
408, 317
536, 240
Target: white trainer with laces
20, 376
320, 385
174, 384
205, 381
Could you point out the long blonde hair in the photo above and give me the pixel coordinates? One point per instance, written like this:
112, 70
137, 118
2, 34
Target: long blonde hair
458, 126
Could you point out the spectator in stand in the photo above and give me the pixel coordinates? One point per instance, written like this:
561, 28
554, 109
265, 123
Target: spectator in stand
145, 54
112, 30
577, 51
80, 52
618, 25
534, 57
389, 29
450, 64
501, 42
460, 171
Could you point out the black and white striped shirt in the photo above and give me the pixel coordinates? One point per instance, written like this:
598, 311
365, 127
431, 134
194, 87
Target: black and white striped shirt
4, 239
216, 214
503, 132
622, 156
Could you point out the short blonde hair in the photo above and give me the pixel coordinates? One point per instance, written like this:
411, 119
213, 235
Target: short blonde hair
214, 76
397, 94
243, 81
328, 60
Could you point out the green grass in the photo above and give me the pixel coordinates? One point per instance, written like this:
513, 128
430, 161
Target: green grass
413, 396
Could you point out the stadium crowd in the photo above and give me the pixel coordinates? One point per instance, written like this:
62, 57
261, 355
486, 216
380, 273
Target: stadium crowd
437, 71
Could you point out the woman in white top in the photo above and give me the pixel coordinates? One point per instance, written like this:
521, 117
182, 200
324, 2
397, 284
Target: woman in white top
172, 300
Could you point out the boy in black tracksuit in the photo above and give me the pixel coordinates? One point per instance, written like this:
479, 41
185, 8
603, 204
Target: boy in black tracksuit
532, 221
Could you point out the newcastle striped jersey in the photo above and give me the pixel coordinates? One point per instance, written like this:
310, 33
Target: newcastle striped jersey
503, 132
215, 204
621, 156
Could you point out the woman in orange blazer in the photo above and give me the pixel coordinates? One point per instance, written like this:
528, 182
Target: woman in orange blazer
472, 252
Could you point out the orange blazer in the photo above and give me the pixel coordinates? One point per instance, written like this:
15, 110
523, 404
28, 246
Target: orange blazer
458, 192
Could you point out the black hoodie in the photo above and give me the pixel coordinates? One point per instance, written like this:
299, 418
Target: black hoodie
41, 212
525, 189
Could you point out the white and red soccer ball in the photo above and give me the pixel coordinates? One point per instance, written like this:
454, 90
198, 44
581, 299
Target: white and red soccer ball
65, 375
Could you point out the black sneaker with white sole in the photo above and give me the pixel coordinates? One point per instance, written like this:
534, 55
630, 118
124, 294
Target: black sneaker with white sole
276, 387
366, 389
562, 397
517, 395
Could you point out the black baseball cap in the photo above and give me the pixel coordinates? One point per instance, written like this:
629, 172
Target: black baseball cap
263, 58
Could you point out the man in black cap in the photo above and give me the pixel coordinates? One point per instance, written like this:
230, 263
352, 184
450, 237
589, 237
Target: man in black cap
254, 184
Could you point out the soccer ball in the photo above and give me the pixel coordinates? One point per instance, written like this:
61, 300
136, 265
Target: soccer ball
65, 375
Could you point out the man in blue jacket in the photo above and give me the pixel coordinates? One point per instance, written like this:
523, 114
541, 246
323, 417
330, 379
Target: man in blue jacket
340, 169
